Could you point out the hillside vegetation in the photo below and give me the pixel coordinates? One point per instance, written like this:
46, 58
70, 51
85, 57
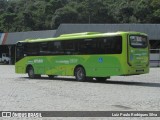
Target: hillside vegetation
26, 15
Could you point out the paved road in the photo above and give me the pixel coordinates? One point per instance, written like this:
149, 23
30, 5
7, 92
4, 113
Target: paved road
19, 93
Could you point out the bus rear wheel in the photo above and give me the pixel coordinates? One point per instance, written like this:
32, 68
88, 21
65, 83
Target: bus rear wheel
80, 74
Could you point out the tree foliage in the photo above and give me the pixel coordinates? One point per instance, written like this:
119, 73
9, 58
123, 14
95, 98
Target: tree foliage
25, 15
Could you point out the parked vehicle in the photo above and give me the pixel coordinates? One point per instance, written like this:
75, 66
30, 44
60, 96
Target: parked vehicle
89, 54
4, 58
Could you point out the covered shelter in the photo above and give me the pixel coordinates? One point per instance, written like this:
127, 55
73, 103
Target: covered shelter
9, 40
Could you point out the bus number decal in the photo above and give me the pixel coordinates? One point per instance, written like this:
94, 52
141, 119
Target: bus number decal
38, 61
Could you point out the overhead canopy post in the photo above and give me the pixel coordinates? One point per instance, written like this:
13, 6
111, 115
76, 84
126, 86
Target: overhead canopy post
10, 54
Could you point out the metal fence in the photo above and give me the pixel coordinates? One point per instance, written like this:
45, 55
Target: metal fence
155, 57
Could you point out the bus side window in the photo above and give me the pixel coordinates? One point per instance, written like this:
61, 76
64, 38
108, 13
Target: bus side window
58, 48
118, 44
88, 46
110, 45
44, 48
31, 49
69, 47
19, 51
51, 48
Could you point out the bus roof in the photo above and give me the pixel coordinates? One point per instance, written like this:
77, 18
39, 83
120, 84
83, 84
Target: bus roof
82, 35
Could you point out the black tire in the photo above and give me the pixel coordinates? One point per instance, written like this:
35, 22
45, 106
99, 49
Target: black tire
80, 74
30, 72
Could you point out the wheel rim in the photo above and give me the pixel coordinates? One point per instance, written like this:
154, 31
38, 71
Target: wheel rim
80, 74
31, 72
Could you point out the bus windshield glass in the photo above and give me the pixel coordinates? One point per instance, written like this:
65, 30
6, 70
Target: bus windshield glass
138, 41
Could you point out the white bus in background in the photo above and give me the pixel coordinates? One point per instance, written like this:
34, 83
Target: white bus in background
4, 58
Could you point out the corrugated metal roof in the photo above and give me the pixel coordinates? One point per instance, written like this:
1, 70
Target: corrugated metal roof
153, 30
14, 37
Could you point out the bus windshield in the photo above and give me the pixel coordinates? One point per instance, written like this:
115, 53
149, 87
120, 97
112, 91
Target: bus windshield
138, 41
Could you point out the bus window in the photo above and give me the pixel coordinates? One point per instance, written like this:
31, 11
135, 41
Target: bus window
58, 48
110, 45
19, 51
51, 48
138, 41
88, 46
44, 48
31, 49
69, 47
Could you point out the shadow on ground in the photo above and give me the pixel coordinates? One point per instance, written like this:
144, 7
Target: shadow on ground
114, 82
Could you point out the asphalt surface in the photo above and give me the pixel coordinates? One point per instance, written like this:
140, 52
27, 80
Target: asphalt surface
129, 93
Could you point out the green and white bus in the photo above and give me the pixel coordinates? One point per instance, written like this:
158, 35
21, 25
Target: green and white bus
90, 54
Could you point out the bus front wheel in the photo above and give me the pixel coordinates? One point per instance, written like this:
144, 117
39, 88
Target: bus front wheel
31, 72
80, 74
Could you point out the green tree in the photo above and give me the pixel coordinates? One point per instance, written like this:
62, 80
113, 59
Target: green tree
65, 15
7, 20
3, 5
24, 15
155, 16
